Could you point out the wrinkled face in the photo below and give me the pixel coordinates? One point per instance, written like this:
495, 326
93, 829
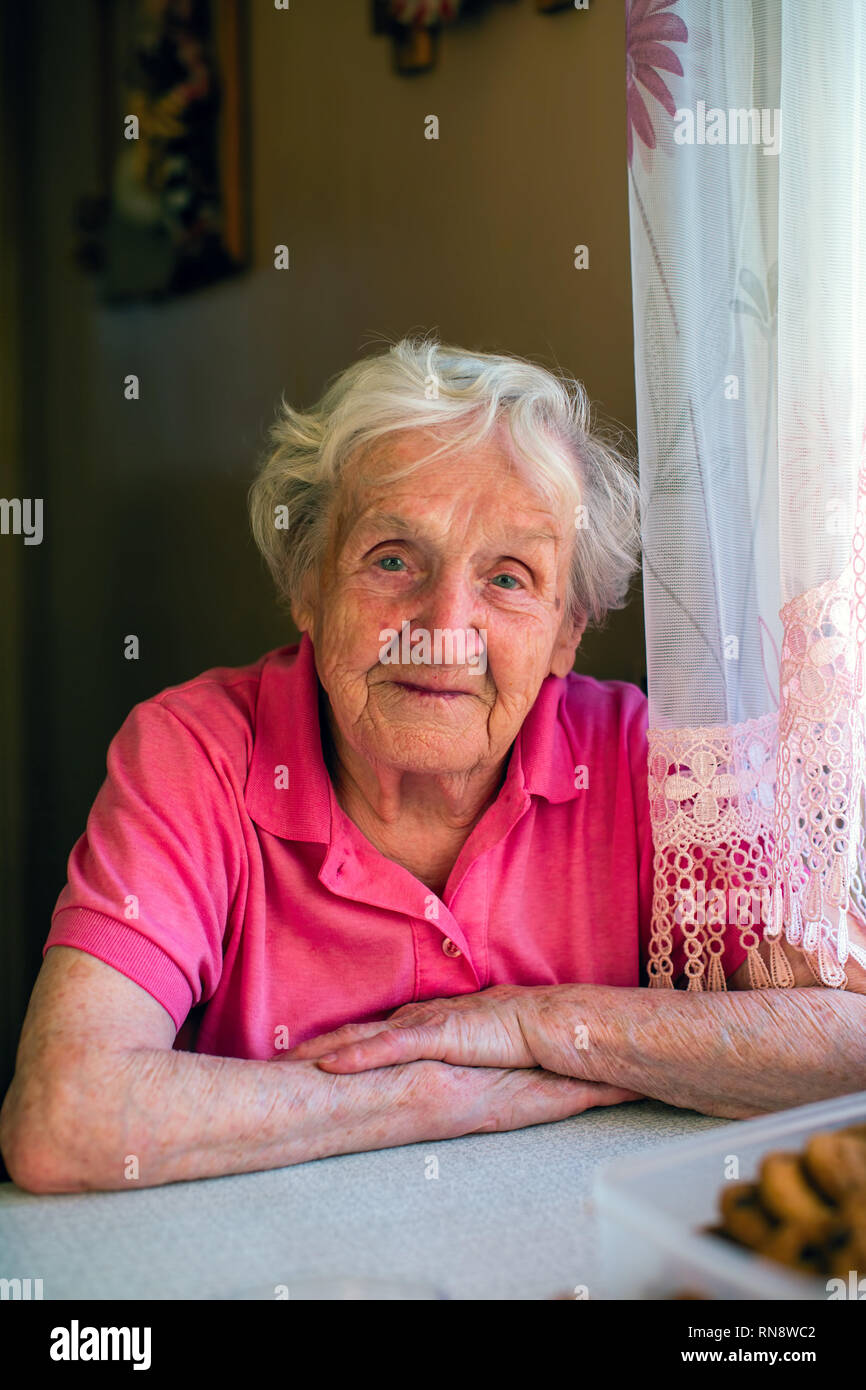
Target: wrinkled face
461, 548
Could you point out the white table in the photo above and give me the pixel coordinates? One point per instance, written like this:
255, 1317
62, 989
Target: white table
510, 1216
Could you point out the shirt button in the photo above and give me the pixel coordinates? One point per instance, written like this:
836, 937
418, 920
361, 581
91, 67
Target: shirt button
450, 949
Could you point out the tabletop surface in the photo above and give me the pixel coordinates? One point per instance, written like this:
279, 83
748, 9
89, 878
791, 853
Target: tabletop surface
509, 1216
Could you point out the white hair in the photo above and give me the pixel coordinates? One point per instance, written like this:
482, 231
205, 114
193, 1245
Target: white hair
464, 398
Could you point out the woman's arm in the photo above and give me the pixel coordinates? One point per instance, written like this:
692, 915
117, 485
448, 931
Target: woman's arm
733, 1054
728, 1054
744, 1052
101, 1101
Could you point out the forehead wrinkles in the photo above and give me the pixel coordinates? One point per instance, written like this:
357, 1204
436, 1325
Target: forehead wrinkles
424, 499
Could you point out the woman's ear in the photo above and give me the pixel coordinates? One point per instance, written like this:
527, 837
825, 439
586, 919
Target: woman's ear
567, 643
303, 611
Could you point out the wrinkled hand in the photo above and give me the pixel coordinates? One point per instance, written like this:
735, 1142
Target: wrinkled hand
423, 1101
508, 1026
484, 1029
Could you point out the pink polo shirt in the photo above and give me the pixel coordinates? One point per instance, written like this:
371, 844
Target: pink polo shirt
219, 872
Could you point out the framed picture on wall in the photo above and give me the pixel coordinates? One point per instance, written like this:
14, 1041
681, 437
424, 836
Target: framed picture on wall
172, 213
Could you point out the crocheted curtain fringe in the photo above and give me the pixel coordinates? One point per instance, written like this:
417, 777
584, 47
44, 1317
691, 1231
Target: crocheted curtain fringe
762, 825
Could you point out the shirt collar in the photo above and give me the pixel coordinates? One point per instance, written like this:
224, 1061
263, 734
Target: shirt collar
547, 755
288, 788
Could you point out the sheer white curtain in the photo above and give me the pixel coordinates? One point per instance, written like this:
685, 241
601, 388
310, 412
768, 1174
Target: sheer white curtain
747, 188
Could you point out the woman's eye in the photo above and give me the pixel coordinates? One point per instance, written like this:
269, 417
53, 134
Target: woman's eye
513, 581
390, 562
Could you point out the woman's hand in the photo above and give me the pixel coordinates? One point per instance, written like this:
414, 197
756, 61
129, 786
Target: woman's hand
508, 1026
424, 1101
483, 1029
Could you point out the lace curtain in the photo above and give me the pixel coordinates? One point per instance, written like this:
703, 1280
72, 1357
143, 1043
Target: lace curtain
747, 198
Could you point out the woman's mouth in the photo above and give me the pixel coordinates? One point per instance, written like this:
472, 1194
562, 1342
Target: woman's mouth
430, 691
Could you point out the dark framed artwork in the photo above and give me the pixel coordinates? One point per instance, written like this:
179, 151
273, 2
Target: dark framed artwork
172, 214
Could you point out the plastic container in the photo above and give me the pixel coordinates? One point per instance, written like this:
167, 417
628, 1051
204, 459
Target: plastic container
652, 1207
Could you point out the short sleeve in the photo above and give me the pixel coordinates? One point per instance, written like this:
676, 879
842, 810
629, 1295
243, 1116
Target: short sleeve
151, 880
734, 954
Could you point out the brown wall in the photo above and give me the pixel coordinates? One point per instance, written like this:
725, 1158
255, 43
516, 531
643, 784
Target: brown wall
471, 235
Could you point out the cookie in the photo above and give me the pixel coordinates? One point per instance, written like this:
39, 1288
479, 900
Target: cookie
797, 1247
805, 1211
743, 1217
836, 1162
788, 1195
846, 1245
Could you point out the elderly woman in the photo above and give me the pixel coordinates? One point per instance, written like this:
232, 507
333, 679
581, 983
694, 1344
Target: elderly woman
393, 884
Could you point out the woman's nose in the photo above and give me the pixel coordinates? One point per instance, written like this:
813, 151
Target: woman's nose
453, 605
